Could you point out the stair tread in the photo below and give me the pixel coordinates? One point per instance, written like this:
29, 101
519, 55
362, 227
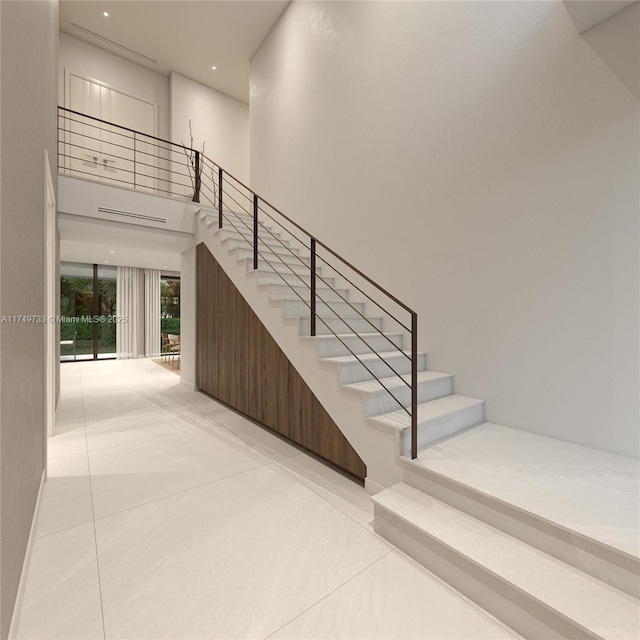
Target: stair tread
591, 603
355, 335
369, 386
586, 491
428, 411
366, 356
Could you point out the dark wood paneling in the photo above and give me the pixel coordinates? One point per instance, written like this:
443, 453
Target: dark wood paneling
239, 363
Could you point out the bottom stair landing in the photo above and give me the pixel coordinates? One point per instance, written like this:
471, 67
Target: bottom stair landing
543, 534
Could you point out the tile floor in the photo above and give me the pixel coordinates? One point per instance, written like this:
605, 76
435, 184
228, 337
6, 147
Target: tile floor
166, 515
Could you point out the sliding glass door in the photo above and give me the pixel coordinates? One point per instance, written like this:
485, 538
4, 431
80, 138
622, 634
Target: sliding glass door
87, 311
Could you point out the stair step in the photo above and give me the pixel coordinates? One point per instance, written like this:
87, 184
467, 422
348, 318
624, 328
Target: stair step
577, 504
242, 243
347, 343
276, 277
383, 364
246, 236
291, 292
299, 309
272, 268
325, 326
436, 419
533, 593
266, 257
431, 386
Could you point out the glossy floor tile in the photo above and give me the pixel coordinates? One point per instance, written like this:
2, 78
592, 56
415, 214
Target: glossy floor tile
417, 606
168, 515
62, 594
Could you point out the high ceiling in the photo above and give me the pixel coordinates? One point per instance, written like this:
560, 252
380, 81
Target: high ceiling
186, 36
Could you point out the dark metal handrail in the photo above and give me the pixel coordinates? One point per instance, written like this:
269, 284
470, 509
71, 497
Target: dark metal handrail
213, 191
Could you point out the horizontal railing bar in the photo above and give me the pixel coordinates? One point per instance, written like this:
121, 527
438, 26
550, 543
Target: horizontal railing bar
285, 229
331, 251
328, 302
355, 355
154, 188
122, 146
335, 291
404, 326
84, 115
136, 173
340, 274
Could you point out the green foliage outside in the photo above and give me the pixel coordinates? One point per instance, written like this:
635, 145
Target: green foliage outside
170, 325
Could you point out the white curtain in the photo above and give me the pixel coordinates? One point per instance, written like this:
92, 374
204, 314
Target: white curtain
127, 303
152, 343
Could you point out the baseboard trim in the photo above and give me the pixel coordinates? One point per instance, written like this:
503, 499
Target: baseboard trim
17, 607
372, 487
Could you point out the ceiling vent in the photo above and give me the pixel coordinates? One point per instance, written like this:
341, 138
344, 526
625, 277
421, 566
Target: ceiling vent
128, 214
114, 44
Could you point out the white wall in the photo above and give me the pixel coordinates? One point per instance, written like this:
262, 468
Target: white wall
28, 57
222, 122
98, 64
480, 162
617, 42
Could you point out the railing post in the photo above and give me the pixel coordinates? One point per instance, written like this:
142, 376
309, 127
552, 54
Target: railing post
219, 197
313, 286
196, 194
134, 159
255, 231
414, 385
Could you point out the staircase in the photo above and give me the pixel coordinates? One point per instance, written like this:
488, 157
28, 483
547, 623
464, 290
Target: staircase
369, 362
543, 535
542, 578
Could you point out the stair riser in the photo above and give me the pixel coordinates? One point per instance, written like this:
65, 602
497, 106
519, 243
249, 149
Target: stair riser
380, 402
298, 309
279, 249
443, 427
290, 278
284, 292
517, 609
237, 237
242, 253
332, 346
587, 555
352, 325
266, 270
356, 372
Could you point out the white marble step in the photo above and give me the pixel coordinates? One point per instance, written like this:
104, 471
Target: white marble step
233, 243
299, 309
436, 419
326, 326
272, 268
344, 344
246, 235
290, 292
580, 505
383, 365
431, 386
533, 593
264, 276
266, 257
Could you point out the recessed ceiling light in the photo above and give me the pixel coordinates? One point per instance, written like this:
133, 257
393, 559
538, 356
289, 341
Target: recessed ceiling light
111, 251
105, 14
213, 68
106, 262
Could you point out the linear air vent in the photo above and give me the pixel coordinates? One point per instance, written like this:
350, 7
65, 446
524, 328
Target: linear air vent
128, 214
114, 44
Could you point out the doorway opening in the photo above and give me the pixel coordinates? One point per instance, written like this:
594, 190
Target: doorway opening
87, 311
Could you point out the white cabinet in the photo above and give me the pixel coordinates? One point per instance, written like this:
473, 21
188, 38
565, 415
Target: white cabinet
96, 150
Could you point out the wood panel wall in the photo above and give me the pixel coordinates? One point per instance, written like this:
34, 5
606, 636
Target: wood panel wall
239, 363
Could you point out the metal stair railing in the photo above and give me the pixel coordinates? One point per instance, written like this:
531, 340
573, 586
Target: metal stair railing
154, 165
